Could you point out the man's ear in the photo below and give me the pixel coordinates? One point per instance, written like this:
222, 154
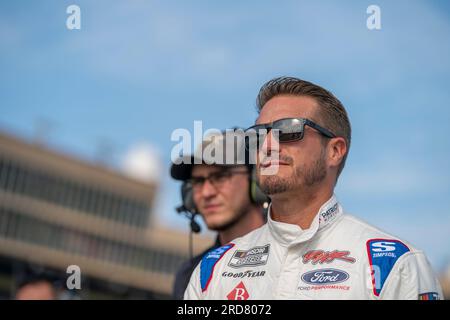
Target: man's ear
337, 148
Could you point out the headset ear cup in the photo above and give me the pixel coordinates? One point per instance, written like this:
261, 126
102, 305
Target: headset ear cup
188, 197
256, 194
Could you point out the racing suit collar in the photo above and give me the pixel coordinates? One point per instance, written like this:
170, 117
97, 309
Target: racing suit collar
288, 234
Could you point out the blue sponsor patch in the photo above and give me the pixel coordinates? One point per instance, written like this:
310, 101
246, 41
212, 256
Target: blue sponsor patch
208, 263
325, 276
383, 253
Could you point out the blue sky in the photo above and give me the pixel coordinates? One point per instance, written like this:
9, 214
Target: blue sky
137, 70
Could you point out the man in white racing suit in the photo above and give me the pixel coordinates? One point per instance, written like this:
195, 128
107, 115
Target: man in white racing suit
309, 248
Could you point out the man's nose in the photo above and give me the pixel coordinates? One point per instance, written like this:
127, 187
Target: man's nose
271, 143
208, 189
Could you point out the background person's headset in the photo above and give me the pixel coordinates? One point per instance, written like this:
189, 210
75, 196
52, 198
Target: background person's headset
190, 210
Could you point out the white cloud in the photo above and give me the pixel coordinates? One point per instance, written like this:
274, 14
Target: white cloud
143, 162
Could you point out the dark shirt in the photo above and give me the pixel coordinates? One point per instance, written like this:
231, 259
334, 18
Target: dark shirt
185, 271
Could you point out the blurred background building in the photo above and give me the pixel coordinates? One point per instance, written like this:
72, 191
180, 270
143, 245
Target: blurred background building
57, 211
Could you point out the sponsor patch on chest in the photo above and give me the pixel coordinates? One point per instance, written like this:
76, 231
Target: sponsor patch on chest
253, 257
324, 276
320, 256
324, 279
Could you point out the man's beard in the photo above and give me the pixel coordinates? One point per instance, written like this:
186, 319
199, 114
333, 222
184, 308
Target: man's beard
302, 177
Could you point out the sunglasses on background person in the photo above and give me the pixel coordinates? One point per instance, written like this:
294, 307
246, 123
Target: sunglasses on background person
287, 130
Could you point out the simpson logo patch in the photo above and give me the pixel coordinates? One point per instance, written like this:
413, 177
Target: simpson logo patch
253, 257
383, 254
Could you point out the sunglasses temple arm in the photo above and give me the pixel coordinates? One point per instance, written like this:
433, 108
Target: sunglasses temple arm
322, 130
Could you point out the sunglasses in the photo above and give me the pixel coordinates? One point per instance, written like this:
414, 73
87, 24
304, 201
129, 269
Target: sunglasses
287, 130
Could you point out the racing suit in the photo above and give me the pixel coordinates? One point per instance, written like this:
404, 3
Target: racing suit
338, 257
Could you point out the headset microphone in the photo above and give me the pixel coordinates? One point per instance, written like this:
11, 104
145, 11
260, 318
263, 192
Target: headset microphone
188, 208
195, 227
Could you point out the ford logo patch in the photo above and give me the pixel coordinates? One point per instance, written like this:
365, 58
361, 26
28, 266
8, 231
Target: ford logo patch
325, 276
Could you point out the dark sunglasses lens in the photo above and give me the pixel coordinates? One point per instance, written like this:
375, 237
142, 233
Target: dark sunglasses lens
290, 130
286, 137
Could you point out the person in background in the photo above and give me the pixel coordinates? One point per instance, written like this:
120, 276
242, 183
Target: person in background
224, 194
36, 289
